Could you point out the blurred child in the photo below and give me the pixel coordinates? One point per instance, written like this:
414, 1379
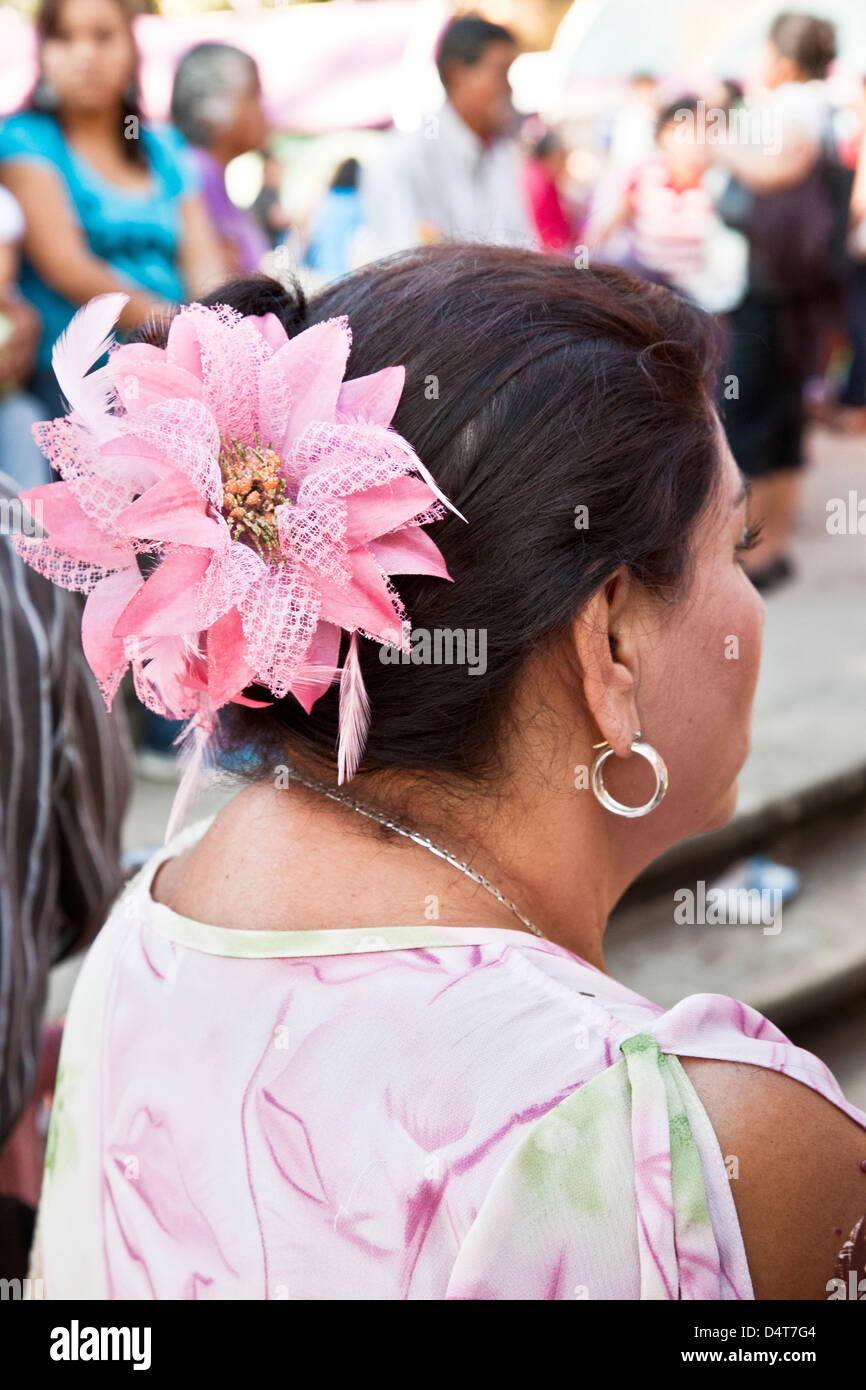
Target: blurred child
555, 227
669, 210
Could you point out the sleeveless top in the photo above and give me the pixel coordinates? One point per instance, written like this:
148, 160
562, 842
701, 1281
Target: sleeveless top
421, 1112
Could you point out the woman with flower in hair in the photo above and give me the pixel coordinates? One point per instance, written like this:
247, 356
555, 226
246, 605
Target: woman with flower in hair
355, 1035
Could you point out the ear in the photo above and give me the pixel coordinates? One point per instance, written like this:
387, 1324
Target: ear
607, 663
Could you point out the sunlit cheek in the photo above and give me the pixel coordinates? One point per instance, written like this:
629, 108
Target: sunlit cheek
739, 636
718, 631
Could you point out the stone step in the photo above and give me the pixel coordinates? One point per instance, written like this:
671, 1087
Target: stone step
816, 961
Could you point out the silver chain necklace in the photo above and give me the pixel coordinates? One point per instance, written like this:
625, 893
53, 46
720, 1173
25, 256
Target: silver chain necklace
419, 840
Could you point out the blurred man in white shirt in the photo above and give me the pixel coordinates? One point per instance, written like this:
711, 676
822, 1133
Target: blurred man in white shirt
459, 176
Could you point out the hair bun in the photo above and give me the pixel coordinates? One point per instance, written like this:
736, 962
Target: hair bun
249, 294
262, 294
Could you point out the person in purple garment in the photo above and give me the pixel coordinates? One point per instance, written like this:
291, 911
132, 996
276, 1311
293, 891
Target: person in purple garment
216, 104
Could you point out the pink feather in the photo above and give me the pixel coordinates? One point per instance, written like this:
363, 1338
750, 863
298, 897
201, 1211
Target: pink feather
86, 339
193, 740
354, 715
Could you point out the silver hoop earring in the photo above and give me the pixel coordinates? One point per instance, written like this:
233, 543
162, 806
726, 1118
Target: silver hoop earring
655, 761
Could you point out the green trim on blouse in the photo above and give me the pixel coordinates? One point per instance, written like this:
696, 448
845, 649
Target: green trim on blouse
334, 941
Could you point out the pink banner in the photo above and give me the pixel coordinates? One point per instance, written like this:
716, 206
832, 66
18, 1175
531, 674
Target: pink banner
324, 67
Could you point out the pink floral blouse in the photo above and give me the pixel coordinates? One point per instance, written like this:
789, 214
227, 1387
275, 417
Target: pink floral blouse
418, 1112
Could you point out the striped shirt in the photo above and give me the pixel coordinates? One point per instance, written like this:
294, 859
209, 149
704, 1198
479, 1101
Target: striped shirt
671, 226
64, 784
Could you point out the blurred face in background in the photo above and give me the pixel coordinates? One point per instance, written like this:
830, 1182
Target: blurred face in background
685, 157
481, 92
556, 162
88, 54
248, 127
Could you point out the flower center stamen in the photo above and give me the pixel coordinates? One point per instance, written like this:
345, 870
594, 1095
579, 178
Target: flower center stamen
253, 488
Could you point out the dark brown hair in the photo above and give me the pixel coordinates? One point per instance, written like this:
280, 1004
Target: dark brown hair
464, 40
810, 42
532, 388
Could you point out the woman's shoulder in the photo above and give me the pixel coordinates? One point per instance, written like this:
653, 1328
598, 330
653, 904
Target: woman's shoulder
733, 1152
171, 158
718, 1028
31, 134
793, 1143
794, 1155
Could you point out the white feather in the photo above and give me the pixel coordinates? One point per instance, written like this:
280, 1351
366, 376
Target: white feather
312, 674
86, 339
354, 715
422, 468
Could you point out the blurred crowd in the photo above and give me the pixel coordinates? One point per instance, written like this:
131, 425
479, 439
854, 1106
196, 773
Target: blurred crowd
750, 202
753, 203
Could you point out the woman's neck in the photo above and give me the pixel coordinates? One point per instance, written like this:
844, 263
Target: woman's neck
222, 150
91, 127
289, 859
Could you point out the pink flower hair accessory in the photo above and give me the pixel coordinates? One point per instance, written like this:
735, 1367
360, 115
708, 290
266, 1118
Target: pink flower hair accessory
269, 499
